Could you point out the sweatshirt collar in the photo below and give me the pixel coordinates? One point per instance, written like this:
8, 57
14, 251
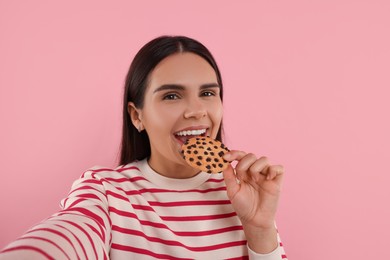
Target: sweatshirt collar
171, 183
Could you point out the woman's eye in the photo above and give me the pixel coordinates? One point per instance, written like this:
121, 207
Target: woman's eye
170, 96
208, 93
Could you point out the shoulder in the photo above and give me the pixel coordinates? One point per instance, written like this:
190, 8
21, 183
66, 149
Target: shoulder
106, 173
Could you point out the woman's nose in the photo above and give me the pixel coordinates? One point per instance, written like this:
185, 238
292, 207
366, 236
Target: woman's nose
195, 109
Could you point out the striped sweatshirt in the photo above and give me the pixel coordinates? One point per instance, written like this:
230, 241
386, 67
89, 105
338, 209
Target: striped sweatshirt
132, 212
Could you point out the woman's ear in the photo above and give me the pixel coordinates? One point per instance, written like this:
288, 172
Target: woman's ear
135, 116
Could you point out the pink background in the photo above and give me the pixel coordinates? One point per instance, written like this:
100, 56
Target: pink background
306, 83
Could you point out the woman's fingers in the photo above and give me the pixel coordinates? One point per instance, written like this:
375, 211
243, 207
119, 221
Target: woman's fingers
232, 185
243, 166
245, 160
257, 169
234, 155
274, 171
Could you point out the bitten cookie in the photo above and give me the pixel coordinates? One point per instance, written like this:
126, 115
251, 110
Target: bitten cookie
205, 154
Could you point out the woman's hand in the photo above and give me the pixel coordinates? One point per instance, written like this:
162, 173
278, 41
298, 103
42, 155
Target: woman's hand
253, 188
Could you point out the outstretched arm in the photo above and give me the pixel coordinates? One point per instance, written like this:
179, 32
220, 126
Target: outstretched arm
80, 231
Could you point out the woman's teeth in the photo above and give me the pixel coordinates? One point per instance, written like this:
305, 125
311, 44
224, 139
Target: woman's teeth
191, 132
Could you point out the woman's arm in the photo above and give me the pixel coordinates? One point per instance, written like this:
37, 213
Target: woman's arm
81, 230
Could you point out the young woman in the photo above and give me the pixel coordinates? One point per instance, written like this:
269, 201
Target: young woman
154, 205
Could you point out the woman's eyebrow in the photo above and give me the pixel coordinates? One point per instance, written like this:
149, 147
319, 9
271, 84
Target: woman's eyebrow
210, 85
181, 87
169, 87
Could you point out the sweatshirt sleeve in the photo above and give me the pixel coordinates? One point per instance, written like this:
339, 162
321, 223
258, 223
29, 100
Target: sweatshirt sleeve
81, 230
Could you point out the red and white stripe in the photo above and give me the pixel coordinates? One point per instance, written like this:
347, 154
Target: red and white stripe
133, 213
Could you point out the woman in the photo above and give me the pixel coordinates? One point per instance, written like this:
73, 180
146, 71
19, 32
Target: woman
155, 205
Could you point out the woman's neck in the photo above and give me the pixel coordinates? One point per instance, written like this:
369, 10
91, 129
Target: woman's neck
171, 169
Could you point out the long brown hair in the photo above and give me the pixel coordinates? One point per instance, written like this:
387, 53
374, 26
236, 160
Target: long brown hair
135, 145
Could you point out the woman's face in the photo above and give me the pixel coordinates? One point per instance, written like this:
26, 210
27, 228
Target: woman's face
181, 101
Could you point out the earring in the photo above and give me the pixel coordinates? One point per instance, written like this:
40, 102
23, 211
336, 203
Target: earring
139, 128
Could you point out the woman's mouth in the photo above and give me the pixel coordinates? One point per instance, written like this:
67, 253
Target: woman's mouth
184, 135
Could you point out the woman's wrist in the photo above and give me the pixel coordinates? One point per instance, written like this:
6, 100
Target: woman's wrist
261, 240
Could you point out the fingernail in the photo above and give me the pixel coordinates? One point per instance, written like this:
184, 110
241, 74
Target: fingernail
226, 156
